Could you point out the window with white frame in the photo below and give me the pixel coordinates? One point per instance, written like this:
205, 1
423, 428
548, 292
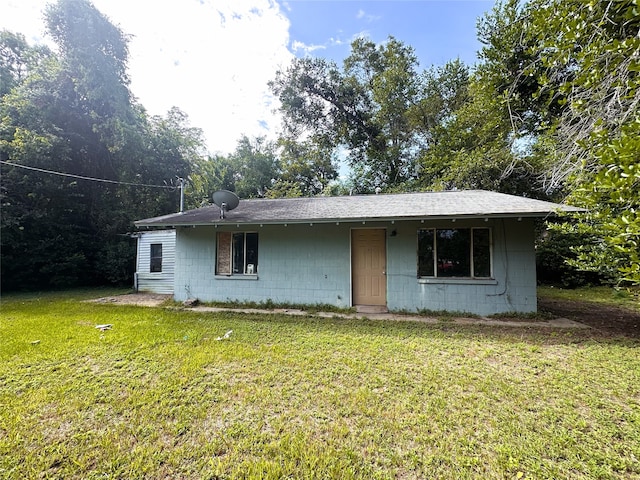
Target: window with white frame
454, 252
237, 253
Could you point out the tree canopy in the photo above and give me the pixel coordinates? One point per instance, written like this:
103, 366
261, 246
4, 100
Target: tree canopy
401, 128
590, 55
550, 111
366, 108
72, 113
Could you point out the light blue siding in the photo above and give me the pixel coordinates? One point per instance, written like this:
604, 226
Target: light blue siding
296, 264
311, 264
155, 282
512, 289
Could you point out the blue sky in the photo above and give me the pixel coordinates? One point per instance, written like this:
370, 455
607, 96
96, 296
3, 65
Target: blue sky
213, 58
438, 30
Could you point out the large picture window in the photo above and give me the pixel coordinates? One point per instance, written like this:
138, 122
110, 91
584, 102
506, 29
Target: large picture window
454, 252
237, 253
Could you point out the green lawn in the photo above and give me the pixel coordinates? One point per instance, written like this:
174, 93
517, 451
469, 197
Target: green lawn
628, 298
288, 397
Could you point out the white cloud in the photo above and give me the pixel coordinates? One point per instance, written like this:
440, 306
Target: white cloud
362, 15
210, 58
23, 16
300, 46
333, 41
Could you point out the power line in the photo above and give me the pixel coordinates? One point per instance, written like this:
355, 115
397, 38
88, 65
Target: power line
51, 172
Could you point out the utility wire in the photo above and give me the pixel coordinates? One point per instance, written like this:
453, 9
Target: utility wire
85, 178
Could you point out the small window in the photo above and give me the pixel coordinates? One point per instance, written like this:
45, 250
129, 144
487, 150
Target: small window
156, 258
454, 253
237, 253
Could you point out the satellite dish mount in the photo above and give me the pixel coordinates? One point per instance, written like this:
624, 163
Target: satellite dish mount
226, 200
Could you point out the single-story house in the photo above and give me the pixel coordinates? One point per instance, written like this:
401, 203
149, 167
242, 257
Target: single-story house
155, 261
466, 251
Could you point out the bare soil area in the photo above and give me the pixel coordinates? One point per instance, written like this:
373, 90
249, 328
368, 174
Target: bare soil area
608, 320
142, 299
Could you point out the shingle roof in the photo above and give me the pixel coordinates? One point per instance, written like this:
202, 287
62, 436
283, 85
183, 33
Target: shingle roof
404, 206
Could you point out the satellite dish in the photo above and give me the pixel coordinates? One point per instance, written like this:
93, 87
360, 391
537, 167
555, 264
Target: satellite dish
226, 200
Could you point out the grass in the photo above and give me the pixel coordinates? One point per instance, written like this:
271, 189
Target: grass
539, 315
628, 298
271, 305
299, 397
443, 315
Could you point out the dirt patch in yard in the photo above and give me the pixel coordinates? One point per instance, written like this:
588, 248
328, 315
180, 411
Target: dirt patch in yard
142, 299
607, 319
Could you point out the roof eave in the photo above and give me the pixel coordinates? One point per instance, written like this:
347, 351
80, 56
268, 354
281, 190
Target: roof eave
231, 221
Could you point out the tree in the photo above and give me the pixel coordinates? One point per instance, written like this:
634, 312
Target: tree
599, 46
444, 90
387, 75
472, 144
568, 72
611, 226
74, 114
306, 169
94, 56
18, 59
255, 166
208, 176
597, 131
364, 109
510, 70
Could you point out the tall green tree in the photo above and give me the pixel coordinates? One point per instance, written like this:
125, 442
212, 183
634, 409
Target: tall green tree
610, 192
568, 72
471, 139
208, 176
73, 113
444, 90
305, 169
598, 129
510, 71
94, 55
18, 59
473, 149
250, 171
260, 168
255, 166
389, 79
364, 109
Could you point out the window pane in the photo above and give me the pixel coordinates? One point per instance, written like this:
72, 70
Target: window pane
238, 253
453, 249
156, 258
252, 253
481, 252
425, 253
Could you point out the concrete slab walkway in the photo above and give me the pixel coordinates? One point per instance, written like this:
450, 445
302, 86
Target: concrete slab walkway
552, 323
154, 300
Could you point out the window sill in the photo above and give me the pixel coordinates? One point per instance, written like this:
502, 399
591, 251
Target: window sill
458, 281
236, 277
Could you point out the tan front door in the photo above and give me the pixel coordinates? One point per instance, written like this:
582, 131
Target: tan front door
368, 266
